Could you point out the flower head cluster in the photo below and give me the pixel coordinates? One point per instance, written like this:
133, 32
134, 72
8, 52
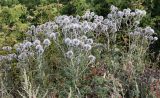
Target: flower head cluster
146, 33
8, 57
78, 32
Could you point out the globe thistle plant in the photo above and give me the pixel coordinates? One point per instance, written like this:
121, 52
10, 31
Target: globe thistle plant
82, 42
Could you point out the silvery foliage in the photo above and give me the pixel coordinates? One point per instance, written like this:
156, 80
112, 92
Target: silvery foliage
76, 31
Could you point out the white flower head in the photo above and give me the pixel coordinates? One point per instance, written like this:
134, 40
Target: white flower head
110, 16
22, 56
28, 44
113, 8
101, 17
33, 27
7, 48
46, 42
76, 42
96, 16
39, 49
94, 25
53, 36
140, 12
69, 54
67, 41
91, 58
84, 38
87, 47
133, 14
155, 38
89, 41
150, 38
36, 42
149, 30
120, 14
92, 13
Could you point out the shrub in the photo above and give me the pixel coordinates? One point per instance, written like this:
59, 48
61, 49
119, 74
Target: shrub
81, 56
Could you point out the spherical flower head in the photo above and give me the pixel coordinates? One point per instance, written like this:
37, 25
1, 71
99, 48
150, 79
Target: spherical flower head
39, 49
84, 38
91, 58
69, 54
127, 12
22, 56
149, 30
133, 14
150, 38
53, 36
28, 44
89, 41
46, 42
33, 27
92, 13
96, 16
36, 42
120, 14
18, 49
113, 30
76, 42
87, 28
155, 38
66, 20
101, 17
140, 12
113, 8
110, 16
7, 48
67, 41
94, 25
87, 47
